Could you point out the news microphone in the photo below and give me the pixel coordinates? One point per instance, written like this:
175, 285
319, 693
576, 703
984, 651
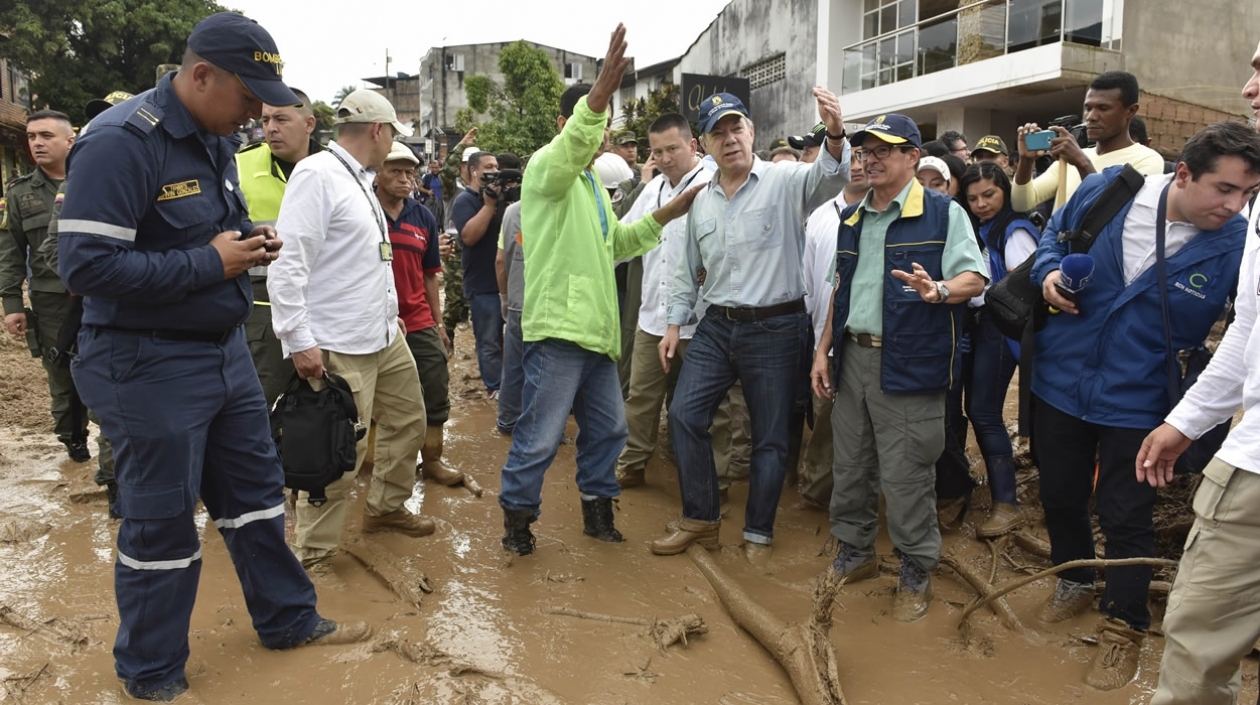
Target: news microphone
1075, 271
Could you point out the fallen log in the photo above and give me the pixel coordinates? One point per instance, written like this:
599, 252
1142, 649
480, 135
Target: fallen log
801, 648
381, 563
665, 632
1004, 613
1032, 544
1084, 563
51, 631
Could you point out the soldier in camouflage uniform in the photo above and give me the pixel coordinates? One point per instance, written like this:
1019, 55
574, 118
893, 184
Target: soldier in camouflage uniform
454, 306
27, 210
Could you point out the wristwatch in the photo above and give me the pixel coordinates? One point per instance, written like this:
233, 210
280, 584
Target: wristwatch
942, 291
840, 137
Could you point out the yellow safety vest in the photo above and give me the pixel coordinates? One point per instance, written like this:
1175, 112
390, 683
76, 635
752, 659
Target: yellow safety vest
262, 183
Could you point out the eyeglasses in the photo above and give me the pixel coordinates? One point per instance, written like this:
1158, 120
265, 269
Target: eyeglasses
880, 152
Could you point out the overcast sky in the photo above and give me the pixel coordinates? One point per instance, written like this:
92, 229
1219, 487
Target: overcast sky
326, 45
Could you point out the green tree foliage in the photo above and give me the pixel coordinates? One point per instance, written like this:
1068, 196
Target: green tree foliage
341, 94
519, 115
638, 115
324, 115
77, 50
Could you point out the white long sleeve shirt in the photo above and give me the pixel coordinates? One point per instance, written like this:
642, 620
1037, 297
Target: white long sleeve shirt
1233, 377
331, 286
660, 264
821, 230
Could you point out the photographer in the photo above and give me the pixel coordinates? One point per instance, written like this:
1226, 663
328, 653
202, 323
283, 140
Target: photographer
1110, 103
477, 214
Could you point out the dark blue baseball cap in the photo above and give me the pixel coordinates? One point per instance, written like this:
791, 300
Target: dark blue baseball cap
718, 106
892, 128
235, 43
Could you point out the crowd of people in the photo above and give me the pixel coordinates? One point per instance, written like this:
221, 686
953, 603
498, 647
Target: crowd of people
839, 282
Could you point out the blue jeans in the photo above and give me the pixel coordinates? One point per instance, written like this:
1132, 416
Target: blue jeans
987, 372
767, 357
560, 376
487, 322
513, 381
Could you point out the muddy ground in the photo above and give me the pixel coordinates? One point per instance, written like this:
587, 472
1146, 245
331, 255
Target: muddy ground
482, 635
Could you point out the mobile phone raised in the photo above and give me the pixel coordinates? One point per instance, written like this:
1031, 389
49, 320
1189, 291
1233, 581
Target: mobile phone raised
1039, 141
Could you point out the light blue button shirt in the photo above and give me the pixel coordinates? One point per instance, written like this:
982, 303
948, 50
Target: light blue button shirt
752, 246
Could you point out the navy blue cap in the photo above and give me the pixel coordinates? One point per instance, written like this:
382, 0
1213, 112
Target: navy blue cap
234, 42
892, 128
718, 106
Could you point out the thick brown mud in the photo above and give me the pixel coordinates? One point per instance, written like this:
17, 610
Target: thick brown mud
483, 635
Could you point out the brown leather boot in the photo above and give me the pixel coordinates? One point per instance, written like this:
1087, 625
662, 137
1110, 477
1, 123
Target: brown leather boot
1119, 647
1003, 519
432, 466
402, 521
687, 532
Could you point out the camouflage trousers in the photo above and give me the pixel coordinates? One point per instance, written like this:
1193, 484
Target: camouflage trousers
454, 306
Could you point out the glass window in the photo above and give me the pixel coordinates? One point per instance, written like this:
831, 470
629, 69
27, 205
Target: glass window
906, 13
1083, 22
938, 44
1032, 23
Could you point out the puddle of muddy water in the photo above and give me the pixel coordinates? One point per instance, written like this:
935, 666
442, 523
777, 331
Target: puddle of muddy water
486, 612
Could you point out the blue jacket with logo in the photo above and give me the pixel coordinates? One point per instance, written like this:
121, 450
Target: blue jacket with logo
1108, 365
920, 341
145, 193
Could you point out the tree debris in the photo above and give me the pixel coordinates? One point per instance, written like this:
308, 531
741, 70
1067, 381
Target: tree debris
665, 632
801, 648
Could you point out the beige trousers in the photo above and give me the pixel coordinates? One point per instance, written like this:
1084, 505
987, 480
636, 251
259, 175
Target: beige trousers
387, 390
1213, 617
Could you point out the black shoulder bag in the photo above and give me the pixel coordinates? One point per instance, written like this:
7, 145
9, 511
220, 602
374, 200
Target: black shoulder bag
315, 433
1201, 451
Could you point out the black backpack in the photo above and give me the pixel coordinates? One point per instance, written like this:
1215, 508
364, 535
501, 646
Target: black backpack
315, 434
1015, 302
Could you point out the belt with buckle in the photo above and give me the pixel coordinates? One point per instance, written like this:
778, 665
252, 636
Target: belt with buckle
866, 340
758, 313
196, 336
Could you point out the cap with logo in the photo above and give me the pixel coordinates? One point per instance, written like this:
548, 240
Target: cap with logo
235, 43
97, 106
936, 164
363, 105
778, 144
718, 106
892, 128
621, 137
991, 143
814, 138
469, 151
401, 152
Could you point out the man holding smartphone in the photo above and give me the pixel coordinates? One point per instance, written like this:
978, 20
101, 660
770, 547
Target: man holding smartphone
1110, 103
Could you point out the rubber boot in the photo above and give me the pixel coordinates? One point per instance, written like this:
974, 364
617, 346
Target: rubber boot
517, 538
597, 515
431, 465
1004, 516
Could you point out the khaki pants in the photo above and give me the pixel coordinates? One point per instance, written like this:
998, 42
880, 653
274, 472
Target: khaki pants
650, 386
1213, 617
387, 390
815, 480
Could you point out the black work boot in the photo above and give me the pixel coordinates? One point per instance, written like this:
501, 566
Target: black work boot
77, 449
597, 515
517, 538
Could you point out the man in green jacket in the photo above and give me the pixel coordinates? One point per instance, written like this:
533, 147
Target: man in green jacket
570, 324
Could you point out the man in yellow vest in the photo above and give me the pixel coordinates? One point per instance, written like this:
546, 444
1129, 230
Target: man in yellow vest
264, 172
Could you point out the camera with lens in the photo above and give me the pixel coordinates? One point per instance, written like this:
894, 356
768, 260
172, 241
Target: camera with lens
1074, 126
503, 185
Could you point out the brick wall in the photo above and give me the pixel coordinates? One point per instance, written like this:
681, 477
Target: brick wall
1170, 122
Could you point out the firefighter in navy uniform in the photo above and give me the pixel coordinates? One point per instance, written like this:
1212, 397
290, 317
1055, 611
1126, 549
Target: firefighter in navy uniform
154, 234
264, 170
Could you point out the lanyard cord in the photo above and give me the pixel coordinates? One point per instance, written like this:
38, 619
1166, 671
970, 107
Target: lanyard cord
379, 217
599, 203
681, 188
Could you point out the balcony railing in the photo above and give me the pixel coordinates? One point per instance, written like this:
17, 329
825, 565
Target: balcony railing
978, 31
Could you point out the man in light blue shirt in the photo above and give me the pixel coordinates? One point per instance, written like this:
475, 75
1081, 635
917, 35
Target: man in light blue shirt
746, 233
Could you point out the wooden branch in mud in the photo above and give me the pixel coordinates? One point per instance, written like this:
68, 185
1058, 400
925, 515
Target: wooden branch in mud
1031, 544
1004, 613
665, 632
471, 485
801, 648
1084, 563
379, 562
49, 631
